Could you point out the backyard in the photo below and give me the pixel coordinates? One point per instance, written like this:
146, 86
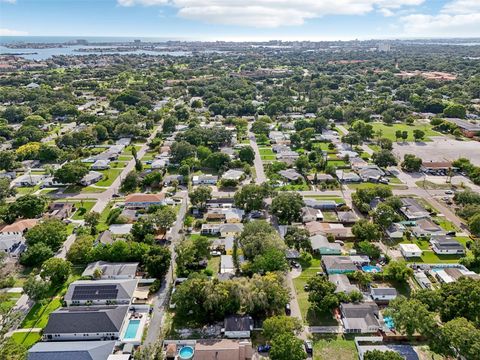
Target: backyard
330, 347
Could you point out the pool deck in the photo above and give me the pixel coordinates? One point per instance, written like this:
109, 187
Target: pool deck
137, 340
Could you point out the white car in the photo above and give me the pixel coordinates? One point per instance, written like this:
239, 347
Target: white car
450, 192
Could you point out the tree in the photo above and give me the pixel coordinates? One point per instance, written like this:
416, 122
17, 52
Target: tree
404, 135
71, 173
287, 207
57, 270
411, 163
36, 254
298, 238
51, 232
92, 219
217, 161
418, 134
79, 252
181, 150
385, 144
257, 237
247, 154
164, 218
455, 111
11, 350
474, 224
398, 270
382, 355
200, 196
461, 299
250, 197
130, 183
410, 316
398, 134
27, 207
369, 249
277, 325
460, 338
5, 189
36, 289
365, 230
157, 261
271, 260
287, 347
384, 158
321, 294
363, 129
384, 215
302, 164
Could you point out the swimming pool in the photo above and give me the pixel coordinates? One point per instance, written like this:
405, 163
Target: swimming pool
132, 329
389, 322
371, 268
186, 352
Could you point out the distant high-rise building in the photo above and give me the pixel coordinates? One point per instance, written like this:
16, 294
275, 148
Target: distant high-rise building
384, 46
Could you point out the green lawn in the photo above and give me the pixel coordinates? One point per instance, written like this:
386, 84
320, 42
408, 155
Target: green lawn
429, 257
92, 189
109, 177
149, 155
433, 186
118, 164
10, 300
444, 223
266, 153
102, 224
82, 210
214, 265
27, 339
125, 157
337, 199
38, 315
333, 347
388, 131
128, 149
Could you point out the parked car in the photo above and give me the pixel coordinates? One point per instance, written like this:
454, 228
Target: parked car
295, 264
264, 348
449, 192
308, 347
288, 310
215, 253
115, 195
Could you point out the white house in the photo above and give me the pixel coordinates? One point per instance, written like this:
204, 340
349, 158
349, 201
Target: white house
204, 180
383, 294
91, 178
100, 292
101, 165
410, 250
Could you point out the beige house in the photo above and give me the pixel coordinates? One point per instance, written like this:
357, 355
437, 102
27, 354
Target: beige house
223, 350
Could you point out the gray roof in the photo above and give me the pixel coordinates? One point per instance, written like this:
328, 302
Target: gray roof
342, 283
338, 263
231, 227
466, 125
360, 316
111, 269
71, 350
238, 323
86, 320
347, 216
321, 241
101, 290
384, 291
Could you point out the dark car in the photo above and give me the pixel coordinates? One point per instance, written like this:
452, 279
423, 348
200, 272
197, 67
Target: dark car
263, 348
115, 195
288, 311
308, 347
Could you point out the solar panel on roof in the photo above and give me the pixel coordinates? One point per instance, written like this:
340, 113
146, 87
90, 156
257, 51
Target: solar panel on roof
95, 292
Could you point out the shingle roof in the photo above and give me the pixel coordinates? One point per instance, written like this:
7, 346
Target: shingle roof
136, 198
111, 269
101, 290
238, 323
71, 350
19, 226
86, 320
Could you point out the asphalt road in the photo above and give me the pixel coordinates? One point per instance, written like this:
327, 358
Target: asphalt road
259, 171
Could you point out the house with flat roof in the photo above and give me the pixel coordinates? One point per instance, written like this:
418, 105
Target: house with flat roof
111, 270
80, 323
449, 275
325, 205
71, 350
337, 230
338, 264
100, 292
120, 229
143, 201
238, 327
226, 264
223, 349
204, 180
360, 318
347, 217
410, 250
321, 245
412, 210
230, 230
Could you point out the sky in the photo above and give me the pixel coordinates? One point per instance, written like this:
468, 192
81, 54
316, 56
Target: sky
240, 20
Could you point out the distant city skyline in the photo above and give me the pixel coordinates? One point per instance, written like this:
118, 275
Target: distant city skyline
242, 20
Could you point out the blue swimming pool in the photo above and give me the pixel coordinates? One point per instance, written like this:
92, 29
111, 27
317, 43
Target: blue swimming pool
371, 268
132, 329
186, 352
389, 322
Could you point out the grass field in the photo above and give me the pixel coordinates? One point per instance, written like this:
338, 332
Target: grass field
214, 265
266, 153
337, 199
389, 131
82, 210
27, 339
109, 177
330, 347
38, 315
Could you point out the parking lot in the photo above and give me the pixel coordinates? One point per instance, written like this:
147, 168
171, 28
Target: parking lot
440, 149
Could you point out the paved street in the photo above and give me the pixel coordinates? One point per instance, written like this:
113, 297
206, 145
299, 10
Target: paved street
259, 171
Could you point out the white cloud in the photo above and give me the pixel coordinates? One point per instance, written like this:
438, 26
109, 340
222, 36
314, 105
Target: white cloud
272, 13
9, 1
10, 32
457, 18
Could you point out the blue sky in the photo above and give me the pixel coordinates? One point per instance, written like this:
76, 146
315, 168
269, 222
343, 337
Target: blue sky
243, 19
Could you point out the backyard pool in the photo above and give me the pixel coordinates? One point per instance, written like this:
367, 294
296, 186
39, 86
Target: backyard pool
389, 322
132, 329
371, 269
186, 352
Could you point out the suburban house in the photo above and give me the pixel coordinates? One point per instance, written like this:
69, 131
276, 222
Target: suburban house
342, 283
204, 180
210, 229
310, 214
238, 327
360, 318
111, 270
445, 245
449, 275
422, 279
230, 230
27, 180
91, 178
169, 179
288, 156
371, 173
347, 176
159, 164
104, 238
71, 350
395, 231
375, 343
232, 174
80, 323
223, 349
12, 240
61, 210
120, 229
383, 294
412, 210
337, 230
290, 175
338, 264
321, 245
220, 203
347, 217
410, 250
143, 201
228, 215
426, 228
100, 292
325, 205
101, 165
